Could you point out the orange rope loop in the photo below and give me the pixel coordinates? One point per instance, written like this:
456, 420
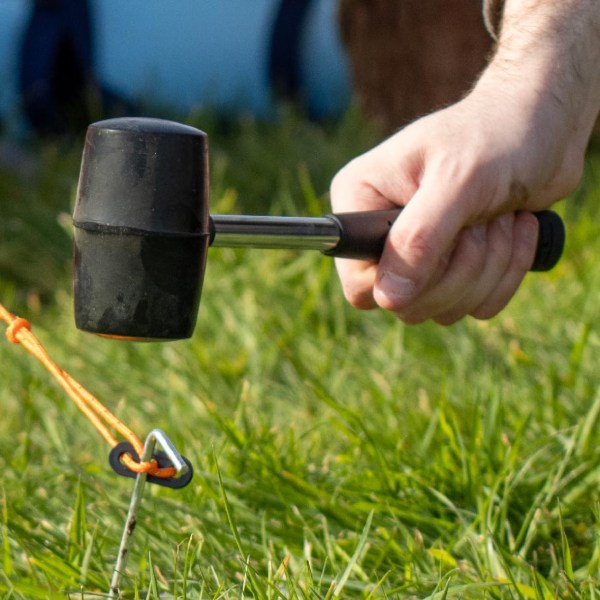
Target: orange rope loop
15, 327
19, 332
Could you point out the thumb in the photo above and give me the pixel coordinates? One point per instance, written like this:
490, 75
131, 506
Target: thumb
417, 247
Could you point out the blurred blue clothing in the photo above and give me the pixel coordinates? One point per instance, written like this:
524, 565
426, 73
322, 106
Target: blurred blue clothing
56, 64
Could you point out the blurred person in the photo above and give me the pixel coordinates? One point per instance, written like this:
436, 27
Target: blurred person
469, 175
56, 65
59, 90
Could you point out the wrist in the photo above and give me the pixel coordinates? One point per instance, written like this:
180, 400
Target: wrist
541, 139
548, 60
526, 92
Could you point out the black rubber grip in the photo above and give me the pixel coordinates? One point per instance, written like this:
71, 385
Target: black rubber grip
363, 235
551, 241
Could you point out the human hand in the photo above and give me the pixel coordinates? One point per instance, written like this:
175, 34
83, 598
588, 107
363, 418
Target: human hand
459, 247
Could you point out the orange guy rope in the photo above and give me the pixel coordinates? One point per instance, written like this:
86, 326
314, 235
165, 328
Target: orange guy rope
19, 332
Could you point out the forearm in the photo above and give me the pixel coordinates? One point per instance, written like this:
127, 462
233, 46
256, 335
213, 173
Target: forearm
548, 56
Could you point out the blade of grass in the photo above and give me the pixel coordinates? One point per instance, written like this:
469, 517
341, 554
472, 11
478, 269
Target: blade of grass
356, 557
257, 590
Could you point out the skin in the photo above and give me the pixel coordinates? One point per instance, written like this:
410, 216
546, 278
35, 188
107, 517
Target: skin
469, 174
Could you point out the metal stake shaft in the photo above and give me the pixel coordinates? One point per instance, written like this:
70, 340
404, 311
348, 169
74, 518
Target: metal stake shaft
156, 435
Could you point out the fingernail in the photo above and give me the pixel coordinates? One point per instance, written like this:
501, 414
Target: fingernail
396, 289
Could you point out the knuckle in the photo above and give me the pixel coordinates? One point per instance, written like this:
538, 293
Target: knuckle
494, 304
337, 188
475, 237
500, 240
410, 319
417, 246
523, 260
338, 180
357, 283
524, 252
349, 173
488, 310
472, 250
448, 319
358, 297
344, 181
502, 227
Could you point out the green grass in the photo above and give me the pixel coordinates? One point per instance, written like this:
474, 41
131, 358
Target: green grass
337, 453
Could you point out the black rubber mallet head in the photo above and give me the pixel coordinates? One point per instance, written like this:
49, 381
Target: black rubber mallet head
142, 230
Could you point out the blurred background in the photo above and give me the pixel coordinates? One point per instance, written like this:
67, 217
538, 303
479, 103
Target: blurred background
64, 62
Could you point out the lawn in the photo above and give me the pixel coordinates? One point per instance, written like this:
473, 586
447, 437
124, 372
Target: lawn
337, 453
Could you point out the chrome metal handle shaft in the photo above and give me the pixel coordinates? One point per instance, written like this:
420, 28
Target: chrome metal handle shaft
245, 231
